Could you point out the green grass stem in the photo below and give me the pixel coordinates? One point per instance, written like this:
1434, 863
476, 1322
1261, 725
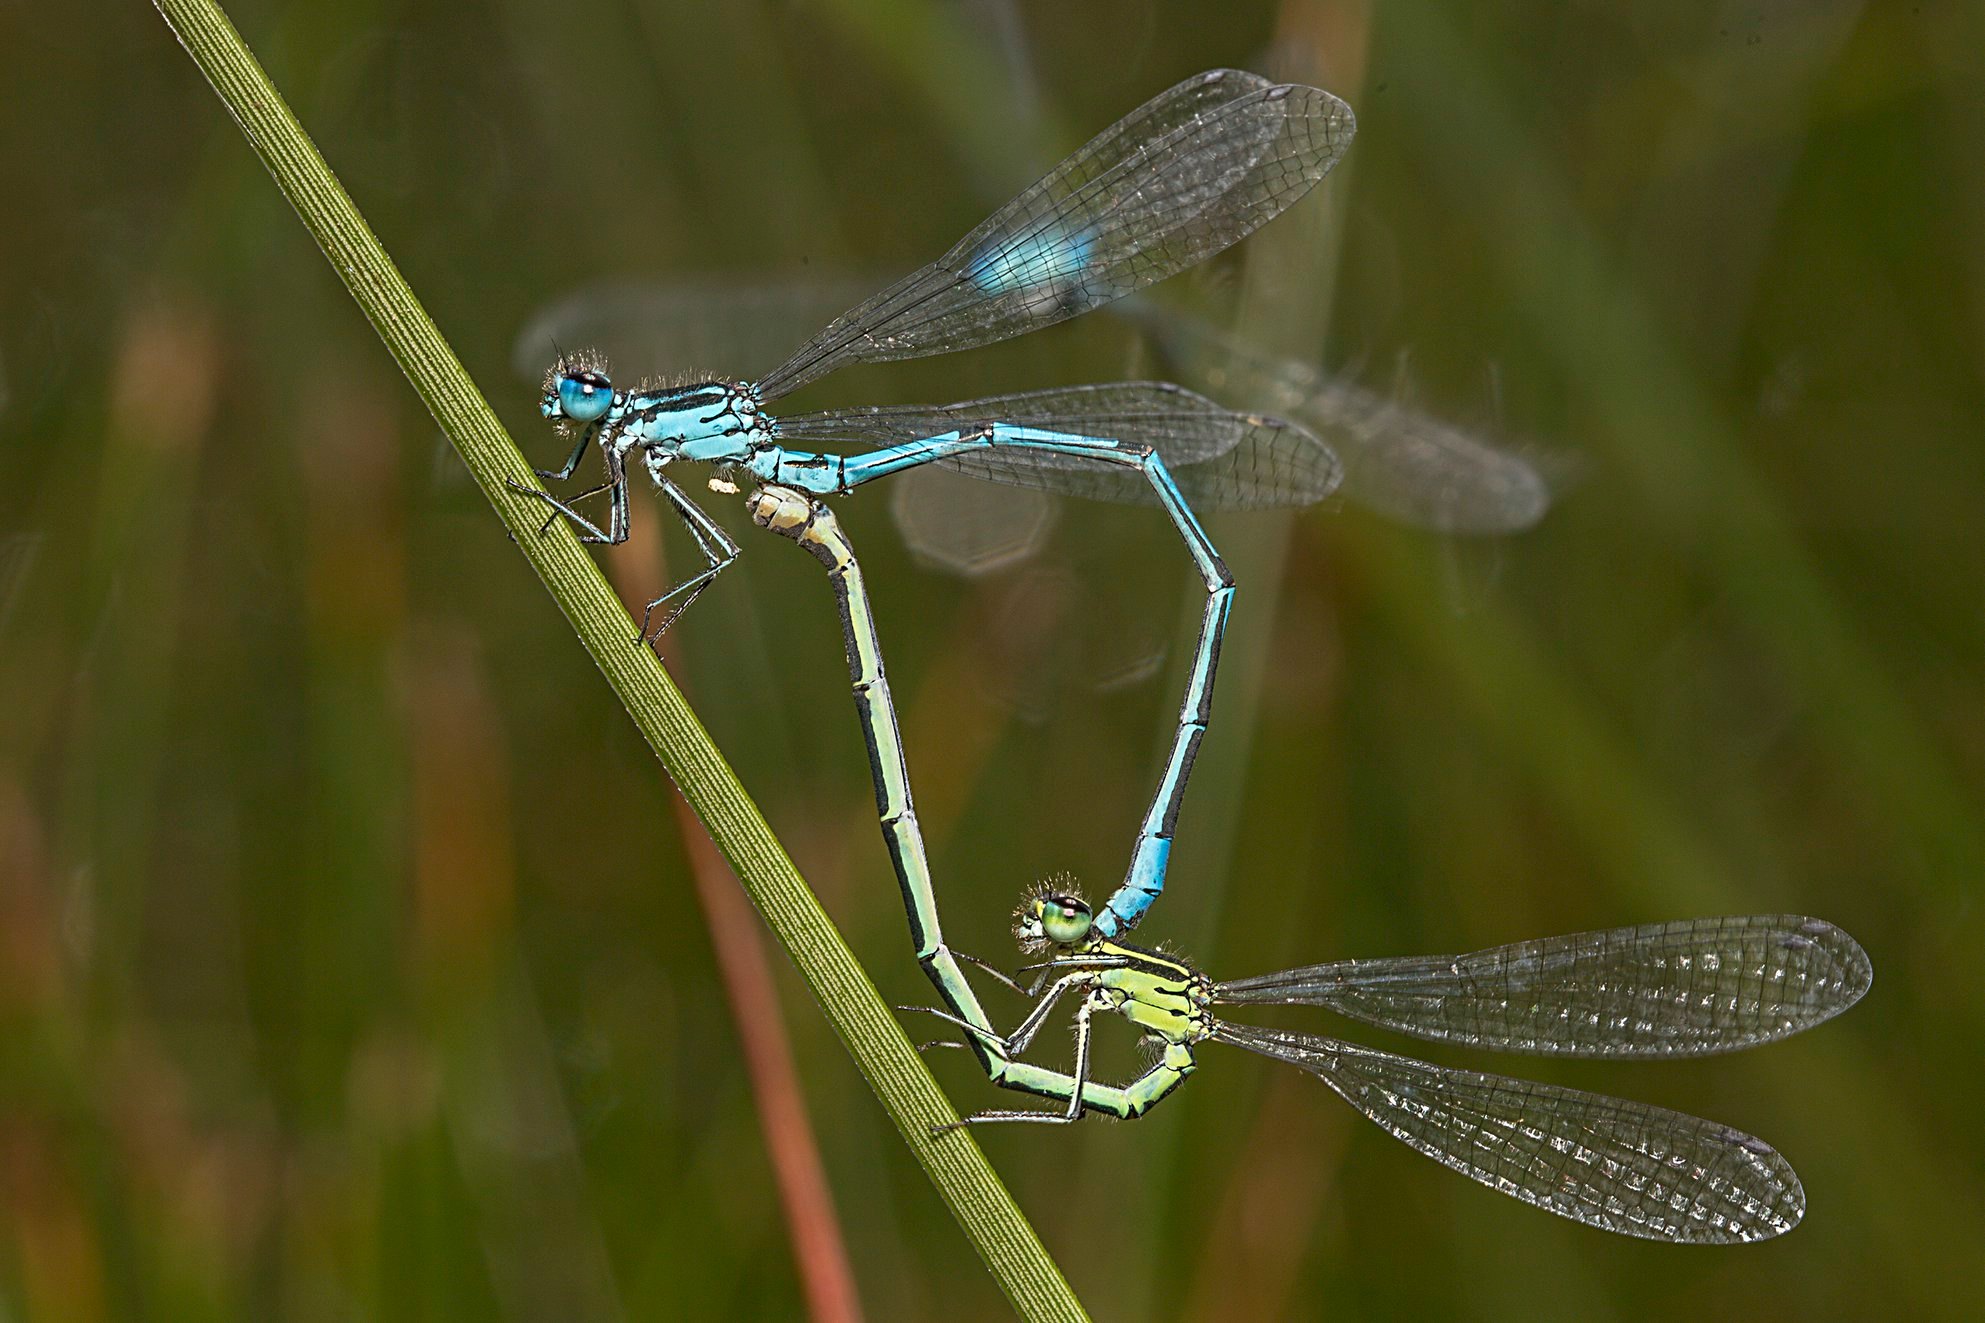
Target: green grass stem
973, 1192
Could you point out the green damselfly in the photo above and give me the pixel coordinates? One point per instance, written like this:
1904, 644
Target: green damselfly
1689, 988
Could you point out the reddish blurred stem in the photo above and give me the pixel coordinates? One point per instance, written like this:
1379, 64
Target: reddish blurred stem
818, 1250
809, 1204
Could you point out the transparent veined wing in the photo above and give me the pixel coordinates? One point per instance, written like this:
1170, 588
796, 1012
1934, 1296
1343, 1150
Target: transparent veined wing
1616, 1165
714, 327
1690, 988
1423, 470
1220, 459
1192, 171
1400, 461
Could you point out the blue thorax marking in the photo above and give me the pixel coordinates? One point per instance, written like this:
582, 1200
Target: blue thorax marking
707, 422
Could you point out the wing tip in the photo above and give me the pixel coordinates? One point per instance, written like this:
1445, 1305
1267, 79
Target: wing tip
1851, 970
1321, 106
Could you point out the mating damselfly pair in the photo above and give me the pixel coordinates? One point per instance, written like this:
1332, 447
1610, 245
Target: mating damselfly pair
1184, 176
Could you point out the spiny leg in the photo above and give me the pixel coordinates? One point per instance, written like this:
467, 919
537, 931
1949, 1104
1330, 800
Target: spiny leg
1032, 990
1079, 1080
999, 974
1015, 1043
1046, 968
588, 531
615, 532
571, 460
718, 552
562, 507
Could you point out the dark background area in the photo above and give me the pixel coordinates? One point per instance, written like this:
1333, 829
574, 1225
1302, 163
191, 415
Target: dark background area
350, 960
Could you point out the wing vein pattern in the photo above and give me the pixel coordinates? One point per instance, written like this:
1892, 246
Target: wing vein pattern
1621, 1166
1668, 989
1190, 172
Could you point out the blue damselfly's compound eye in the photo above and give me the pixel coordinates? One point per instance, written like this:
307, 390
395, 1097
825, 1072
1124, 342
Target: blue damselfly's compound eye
1065, 920
584, 397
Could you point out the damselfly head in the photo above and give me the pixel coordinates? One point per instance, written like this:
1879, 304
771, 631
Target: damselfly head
1052, 915
577, 389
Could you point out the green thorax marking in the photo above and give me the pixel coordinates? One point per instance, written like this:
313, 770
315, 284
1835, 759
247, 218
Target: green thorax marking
1161, 994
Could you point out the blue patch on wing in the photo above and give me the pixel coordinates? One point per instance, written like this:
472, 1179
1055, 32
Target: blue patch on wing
1046, 261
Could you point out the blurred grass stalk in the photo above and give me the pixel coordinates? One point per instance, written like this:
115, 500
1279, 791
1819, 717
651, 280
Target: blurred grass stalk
967, 1183
819, 1250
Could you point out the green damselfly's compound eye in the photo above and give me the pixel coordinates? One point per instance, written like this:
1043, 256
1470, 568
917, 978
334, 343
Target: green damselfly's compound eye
1065, 920
584, 397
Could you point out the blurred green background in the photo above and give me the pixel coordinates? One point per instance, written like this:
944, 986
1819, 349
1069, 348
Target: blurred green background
352, 964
